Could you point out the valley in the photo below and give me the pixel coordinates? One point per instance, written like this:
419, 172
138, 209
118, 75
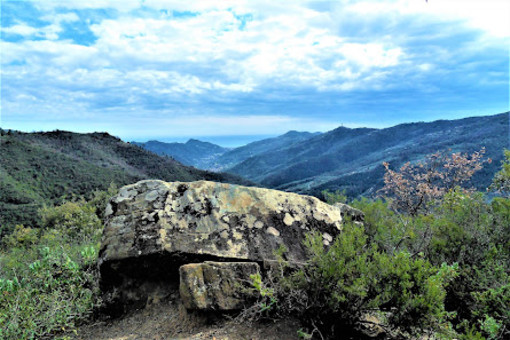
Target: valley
343, 158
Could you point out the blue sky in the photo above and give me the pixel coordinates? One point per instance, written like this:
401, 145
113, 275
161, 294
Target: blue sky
177, 69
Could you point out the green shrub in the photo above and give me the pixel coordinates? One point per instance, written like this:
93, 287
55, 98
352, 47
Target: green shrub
21, 237
338, 196
343, 283
358, 278
51, 294
463, 228
73, 220
48, 280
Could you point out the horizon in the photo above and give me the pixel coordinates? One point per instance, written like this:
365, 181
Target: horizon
235, 141
139, 69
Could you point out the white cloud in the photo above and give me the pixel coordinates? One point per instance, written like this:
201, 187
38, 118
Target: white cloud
120, 5
215, 50
21, 29
223, 52
61, 17
281, 49
371, 54
490, 16
49, 32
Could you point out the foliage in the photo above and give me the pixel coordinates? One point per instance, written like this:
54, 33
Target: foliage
338, 196
72, 220
100, 200
352, 278
48, 278
340, 284
442, 268
51, 294
267, 301
464, 229
416, 186
21, 236
501, 181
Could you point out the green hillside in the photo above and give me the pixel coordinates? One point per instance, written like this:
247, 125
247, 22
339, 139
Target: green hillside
351, 159
49, 167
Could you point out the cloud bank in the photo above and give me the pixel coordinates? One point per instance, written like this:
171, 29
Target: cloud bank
198, 68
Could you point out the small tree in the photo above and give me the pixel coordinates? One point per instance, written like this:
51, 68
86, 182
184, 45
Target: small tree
416, 185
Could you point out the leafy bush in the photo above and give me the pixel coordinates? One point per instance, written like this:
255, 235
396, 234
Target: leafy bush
21, 236
464, 229
48, 279
52, 294
352, 278
343, 283
72, 219
335, 197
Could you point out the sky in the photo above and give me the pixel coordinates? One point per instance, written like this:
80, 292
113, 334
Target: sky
234, 70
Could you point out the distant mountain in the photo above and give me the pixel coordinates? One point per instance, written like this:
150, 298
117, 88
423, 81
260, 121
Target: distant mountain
344, 158
351, 159
194, 152
45, 168
233, 157
204, 155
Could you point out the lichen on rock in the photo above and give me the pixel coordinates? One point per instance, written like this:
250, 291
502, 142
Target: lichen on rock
191, 222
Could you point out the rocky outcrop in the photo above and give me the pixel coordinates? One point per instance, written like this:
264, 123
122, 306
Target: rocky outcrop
153, 228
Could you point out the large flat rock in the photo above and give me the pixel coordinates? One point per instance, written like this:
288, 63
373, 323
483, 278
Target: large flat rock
153, 227
222, 220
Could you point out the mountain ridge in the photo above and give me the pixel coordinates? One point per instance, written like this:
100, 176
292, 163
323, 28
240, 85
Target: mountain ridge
333, 159
194, 152
351, 158
49, 167
209, 156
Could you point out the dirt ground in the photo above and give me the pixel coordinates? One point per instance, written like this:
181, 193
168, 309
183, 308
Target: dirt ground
170, 320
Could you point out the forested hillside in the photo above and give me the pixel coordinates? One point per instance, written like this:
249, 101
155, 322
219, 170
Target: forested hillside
344, 158
351, 159
50, 167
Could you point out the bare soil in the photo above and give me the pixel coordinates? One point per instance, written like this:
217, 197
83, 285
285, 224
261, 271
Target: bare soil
170, 320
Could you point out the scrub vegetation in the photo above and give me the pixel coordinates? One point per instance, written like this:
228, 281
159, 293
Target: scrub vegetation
431, 258
440, 268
